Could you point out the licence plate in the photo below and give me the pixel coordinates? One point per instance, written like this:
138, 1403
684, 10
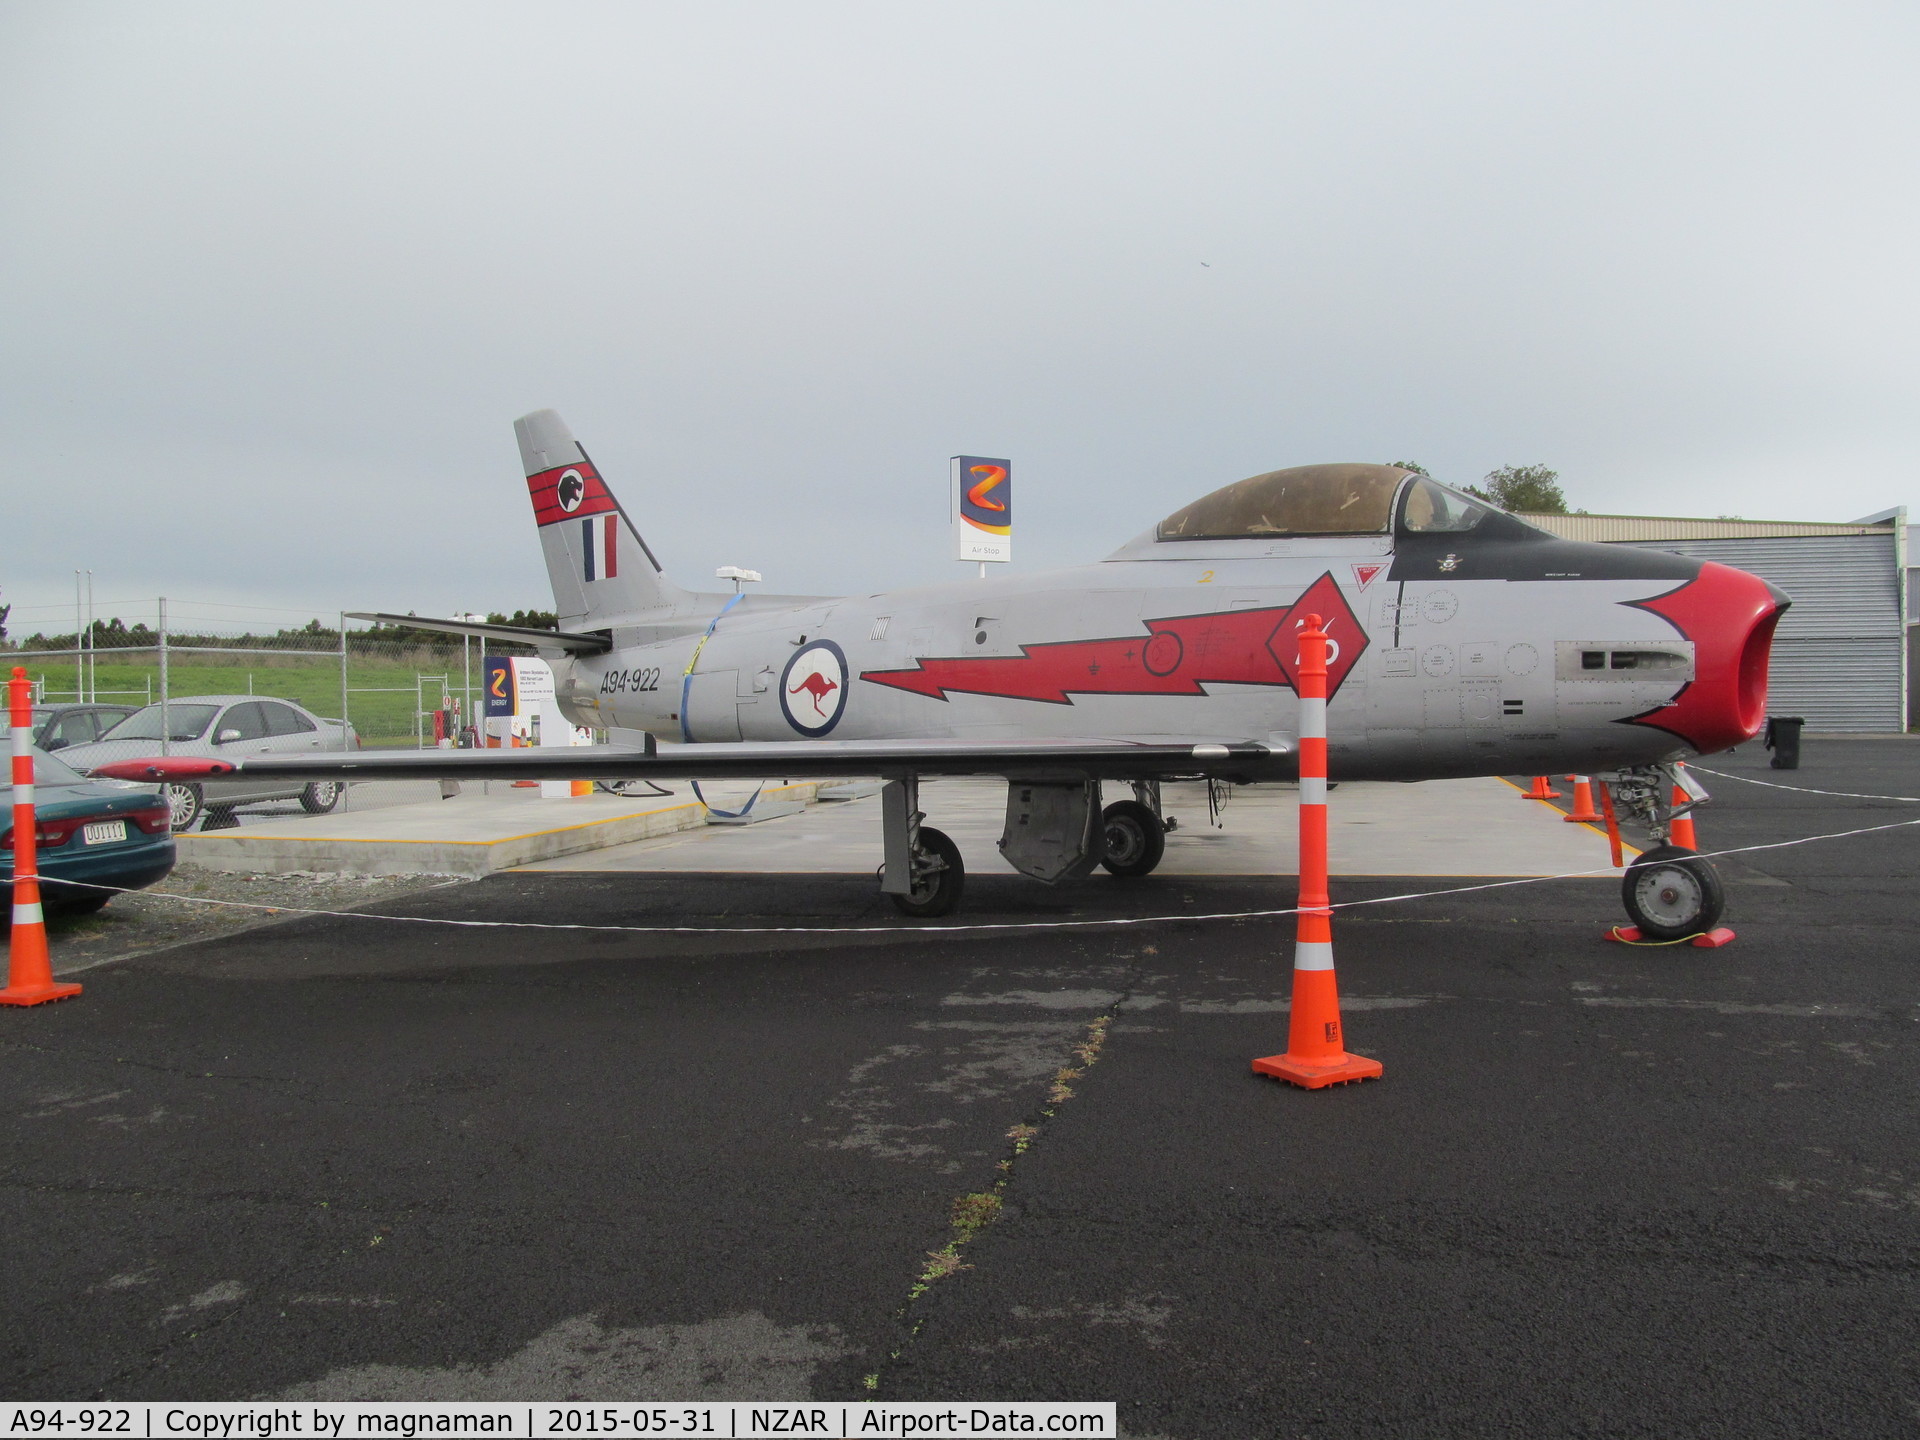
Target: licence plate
104, 832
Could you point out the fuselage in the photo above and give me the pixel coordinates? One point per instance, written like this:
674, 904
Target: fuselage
1498, 651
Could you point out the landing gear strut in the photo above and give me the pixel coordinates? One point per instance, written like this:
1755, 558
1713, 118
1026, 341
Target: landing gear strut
923, 873
1669, 892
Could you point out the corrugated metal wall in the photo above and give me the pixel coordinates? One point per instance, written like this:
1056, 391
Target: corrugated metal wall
1839, 655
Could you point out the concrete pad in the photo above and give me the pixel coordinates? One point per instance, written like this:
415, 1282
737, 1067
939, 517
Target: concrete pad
472, 834
1437, 827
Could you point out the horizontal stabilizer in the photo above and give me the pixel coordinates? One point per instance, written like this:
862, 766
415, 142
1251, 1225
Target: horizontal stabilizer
573, 641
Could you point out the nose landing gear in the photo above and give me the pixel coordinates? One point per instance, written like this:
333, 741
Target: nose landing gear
1670, 892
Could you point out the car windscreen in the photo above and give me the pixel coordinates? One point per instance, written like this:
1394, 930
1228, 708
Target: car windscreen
184, 722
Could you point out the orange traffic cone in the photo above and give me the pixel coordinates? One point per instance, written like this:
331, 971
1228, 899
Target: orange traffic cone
1316, 1051
1316, 1048
29, 968
1541, 790
1583, 812
1680, 828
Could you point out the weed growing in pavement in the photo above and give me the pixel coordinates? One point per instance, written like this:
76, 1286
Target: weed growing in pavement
974, 1212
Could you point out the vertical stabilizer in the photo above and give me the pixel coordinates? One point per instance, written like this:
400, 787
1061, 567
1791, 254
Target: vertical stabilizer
600, 567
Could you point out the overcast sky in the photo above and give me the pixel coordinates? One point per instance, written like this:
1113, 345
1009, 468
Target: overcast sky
276, 279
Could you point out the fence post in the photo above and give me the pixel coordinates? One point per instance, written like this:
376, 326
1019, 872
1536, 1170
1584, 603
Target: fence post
344, 722
166, 727
79, 643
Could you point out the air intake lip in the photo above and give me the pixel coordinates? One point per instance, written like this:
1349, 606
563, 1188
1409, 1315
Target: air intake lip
1730, 615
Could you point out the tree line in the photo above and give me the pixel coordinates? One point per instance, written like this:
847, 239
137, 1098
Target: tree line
115, 634
1523, 489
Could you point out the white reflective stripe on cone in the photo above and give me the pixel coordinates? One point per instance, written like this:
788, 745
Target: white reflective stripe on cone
1313, 789
1312, 955
1313, 719
23, 795
28, 914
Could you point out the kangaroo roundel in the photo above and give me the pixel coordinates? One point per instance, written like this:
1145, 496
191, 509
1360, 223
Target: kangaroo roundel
813, 690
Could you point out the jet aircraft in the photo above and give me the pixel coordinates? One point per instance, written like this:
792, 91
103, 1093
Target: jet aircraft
1463, 642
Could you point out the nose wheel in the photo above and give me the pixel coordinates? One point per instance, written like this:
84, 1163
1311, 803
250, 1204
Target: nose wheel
1672, 894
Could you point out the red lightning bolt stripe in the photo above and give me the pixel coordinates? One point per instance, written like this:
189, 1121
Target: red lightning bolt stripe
1177, 656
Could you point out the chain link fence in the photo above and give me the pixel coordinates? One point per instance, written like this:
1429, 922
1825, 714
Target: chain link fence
393, 687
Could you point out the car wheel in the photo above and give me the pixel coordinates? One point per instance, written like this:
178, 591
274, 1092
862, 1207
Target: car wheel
183, 805
937, 887
321, 796
1133, 837
1671, 894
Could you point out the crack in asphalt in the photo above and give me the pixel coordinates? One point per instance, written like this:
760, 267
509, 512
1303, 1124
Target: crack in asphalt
972, 1213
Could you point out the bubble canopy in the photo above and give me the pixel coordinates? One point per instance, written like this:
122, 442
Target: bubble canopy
1305, 500
1323, 500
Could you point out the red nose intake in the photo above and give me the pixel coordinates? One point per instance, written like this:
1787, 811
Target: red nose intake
164, 767
1730, 617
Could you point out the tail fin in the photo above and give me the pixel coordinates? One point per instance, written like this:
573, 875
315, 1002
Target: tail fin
600, 567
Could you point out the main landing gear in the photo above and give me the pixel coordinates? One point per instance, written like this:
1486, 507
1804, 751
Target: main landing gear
1055, 832
923, 874
1134, 833
1669, 892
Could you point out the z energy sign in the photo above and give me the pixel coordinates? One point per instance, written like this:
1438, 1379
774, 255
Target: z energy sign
982, 508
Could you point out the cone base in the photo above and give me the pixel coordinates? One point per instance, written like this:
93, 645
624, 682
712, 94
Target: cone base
1711, 940
1578, 819
36, 994
1341, 1069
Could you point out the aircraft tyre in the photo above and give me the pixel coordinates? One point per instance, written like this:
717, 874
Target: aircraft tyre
1671, 894
1134, 838
321, 796
184, 805
936, 889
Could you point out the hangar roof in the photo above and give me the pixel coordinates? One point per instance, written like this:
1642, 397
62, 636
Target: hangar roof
1668, 527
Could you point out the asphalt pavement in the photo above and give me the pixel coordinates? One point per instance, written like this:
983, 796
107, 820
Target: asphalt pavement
1601, 1190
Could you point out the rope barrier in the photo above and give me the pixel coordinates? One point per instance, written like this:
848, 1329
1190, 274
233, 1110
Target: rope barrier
904, 928
1802, 789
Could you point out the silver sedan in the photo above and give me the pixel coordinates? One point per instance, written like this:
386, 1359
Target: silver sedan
228, 727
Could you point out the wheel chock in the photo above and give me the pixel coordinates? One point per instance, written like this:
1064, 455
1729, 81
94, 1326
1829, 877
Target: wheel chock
1711, 940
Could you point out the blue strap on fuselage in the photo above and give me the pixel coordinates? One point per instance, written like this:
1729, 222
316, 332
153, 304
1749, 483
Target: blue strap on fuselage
686, 730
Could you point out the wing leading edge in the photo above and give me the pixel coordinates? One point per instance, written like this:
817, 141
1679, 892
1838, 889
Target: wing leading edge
1239, 761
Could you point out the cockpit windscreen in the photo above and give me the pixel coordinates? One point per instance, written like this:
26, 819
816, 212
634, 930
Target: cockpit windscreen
1432, 509
1306, 500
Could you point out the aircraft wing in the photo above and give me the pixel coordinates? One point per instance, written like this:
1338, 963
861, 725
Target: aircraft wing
1238, 761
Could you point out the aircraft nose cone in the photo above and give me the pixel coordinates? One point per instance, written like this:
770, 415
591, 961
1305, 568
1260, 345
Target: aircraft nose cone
1730, 616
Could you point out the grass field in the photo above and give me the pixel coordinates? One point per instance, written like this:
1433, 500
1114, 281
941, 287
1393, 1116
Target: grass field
381, 689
